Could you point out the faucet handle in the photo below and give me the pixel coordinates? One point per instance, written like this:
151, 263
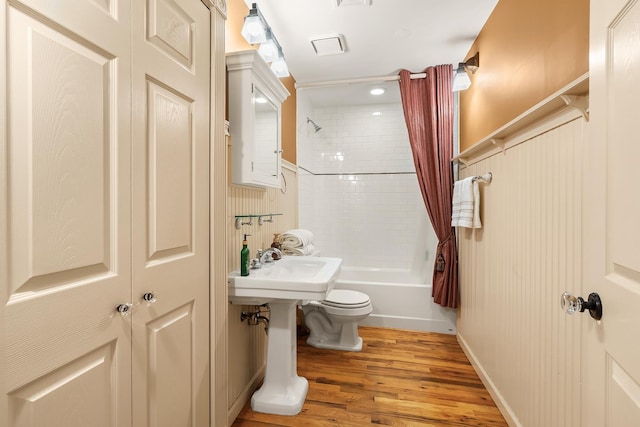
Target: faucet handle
268, 256
258, 253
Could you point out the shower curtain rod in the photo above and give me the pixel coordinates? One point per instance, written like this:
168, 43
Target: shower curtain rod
360, 80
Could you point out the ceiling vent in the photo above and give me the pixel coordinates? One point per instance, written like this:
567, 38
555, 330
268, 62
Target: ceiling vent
329, 45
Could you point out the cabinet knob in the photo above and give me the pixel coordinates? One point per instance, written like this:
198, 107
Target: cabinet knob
149, 297
124, 309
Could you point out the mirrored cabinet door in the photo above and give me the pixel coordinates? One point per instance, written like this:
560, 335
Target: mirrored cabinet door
266, 136
255, 99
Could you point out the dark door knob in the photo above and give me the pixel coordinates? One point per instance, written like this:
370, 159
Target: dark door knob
571, 304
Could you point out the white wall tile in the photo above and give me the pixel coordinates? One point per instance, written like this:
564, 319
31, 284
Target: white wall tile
363, 202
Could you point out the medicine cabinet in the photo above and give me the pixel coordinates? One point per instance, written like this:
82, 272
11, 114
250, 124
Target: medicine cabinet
255, 100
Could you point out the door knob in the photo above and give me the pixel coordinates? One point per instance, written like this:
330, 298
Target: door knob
124, 309
149, 297
571, 304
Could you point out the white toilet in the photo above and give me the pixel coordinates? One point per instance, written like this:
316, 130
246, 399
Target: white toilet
333, 322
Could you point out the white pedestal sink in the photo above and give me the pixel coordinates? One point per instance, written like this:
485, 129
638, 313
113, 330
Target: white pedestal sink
282, 285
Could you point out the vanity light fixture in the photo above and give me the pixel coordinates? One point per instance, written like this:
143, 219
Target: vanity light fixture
269, 48
279, 66
377, 91
461, 80
254, 29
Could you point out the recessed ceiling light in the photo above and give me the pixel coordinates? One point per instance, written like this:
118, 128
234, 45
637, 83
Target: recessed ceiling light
377, 91
376, 113
340, 3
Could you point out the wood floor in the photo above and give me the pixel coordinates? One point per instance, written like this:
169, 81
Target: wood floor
401, 378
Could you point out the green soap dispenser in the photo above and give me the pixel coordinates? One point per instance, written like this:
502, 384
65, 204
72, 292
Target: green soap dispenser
244, 257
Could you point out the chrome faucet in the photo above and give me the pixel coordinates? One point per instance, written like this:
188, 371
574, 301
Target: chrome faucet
255, 262
266, 259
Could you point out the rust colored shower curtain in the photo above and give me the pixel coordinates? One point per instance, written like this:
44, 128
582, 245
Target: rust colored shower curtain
428, 112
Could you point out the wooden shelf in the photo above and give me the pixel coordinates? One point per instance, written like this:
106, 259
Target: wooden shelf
572, 96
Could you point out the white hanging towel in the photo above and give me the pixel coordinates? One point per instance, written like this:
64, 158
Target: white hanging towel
465, 210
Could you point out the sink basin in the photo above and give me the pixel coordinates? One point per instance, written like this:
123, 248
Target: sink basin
282, 285
291, 278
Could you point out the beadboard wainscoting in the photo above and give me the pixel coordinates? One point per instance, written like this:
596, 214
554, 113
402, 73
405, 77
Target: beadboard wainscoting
514, 269
247, 343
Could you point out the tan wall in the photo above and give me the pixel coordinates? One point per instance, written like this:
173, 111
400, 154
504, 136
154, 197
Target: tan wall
528, 51
289, 107
236, 11
234, 42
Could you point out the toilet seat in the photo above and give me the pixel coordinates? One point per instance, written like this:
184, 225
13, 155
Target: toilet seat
346, 299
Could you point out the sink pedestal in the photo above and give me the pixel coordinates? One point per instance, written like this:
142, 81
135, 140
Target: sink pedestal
282, 285
283, 391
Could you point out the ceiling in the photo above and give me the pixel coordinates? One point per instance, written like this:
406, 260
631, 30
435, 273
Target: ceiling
358, 93
381, 36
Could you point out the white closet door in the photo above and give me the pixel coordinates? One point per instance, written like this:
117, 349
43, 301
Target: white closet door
65, 356
170, 174
611, 372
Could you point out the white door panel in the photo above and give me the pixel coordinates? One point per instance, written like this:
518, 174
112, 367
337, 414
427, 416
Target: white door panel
76, 184
170, 173
170, 147
66, 354
171, 29
172, 346
612, 232
61, 182
77, 394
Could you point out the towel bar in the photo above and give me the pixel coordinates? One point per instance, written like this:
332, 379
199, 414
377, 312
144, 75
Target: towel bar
487, 177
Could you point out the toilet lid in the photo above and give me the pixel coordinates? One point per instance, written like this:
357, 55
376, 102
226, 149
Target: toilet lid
344, 298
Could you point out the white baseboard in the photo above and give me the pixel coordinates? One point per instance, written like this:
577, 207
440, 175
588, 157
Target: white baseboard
236, 407
497, 397
410, 323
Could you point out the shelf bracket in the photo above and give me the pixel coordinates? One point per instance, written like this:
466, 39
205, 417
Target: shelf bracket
262, 221
498, 143
239, 223
580, 103
461, 160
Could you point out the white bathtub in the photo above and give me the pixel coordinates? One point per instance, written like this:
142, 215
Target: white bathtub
400, 299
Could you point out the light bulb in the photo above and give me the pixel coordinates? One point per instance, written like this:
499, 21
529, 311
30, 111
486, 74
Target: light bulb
253, 29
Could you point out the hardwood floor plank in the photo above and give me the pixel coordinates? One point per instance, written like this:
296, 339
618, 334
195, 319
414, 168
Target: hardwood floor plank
399, 379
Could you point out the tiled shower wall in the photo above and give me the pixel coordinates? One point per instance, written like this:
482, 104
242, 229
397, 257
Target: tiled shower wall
359, 192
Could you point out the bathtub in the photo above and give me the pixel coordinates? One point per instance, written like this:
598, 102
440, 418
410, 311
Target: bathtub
400, 299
